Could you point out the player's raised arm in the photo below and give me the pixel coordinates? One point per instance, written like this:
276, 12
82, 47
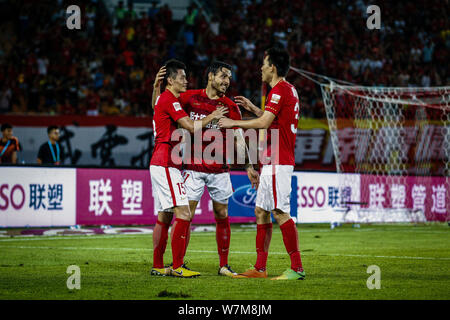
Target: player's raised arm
189, 124
248, 105
262, 122
157, 85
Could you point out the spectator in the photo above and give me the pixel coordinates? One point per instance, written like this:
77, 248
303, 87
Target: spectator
9, 145
38, 71
428, 50
5, 100
49, 152
120, 13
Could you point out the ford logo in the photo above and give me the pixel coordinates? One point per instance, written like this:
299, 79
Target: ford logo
245, 196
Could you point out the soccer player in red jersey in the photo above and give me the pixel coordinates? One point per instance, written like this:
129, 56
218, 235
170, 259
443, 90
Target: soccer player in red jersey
212, 172
9, 145
281, 113
167, 182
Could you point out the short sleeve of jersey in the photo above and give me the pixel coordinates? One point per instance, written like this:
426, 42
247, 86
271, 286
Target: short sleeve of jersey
273, 103
175, 111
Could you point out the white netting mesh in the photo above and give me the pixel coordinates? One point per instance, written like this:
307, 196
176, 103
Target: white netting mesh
395, 139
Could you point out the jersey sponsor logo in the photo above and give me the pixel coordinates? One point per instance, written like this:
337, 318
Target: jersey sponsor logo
275, 98
177, 106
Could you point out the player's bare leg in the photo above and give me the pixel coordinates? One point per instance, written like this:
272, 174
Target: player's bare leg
223, 235
178, 242
290, 239
263, 237
160, 236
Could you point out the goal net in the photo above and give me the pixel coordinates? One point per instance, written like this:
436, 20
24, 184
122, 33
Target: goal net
393, 145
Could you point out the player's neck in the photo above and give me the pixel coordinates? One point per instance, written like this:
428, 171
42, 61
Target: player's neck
174, 92
212, 93
275, 81
4, 139
52, 141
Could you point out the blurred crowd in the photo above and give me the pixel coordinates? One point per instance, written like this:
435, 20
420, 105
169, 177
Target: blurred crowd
108, 66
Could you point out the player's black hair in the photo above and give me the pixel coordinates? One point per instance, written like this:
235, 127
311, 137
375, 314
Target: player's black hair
216, 66
50, 128
280, 58
6, 126
172, 67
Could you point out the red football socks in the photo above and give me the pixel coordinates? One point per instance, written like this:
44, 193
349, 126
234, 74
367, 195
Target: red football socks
290, 239
188, 236
223, 233
160, 235
263, 237
179, 241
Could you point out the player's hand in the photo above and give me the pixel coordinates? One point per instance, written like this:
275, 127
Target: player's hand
226, 123
244, 102
159, 77
219, 113
253, 176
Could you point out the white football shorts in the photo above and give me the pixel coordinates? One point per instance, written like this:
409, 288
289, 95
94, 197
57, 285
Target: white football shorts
218, 185
274, 191
168, 188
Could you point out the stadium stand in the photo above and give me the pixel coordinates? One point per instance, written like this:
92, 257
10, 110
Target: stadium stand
108, 66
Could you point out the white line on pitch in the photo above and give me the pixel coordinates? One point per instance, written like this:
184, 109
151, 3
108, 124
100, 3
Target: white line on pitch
233, 252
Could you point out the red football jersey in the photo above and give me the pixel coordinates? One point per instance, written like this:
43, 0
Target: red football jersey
168, 111
197, 105
283, 102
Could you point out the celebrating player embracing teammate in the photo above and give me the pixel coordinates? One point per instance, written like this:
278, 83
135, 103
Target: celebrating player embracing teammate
206, 171
167, 182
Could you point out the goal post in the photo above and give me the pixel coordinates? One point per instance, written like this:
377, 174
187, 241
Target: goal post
393, 144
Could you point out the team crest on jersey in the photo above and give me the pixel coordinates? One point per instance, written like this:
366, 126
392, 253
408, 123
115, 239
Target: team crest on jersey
177, 106
275, 98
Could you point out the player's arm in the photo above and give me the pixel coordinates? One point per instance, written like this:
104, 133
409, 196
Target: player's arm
191, 125
14, 157
248, 105
262, 122
17, 148
157, 85
253, 176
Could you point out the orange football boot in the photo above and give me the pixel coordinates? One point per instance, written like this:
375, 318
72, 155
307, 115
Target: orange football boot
251, 273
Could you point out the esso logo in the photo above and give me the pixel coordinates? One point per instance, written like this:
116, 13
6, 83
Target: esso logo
245, 196
14, 197
312, 197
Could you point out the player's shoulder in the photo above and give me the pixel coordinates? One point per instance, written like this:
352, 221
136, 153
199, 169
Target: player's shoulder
166, 98
43, 146
284, 89
15, 140
190, 93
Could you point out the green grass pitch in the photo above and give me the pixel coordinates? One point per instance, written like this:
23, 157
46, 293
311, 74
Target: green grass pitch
414, 262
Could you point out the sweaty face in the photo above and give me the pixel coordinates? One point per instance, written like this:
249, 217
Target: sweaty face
221, 80
266, 70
